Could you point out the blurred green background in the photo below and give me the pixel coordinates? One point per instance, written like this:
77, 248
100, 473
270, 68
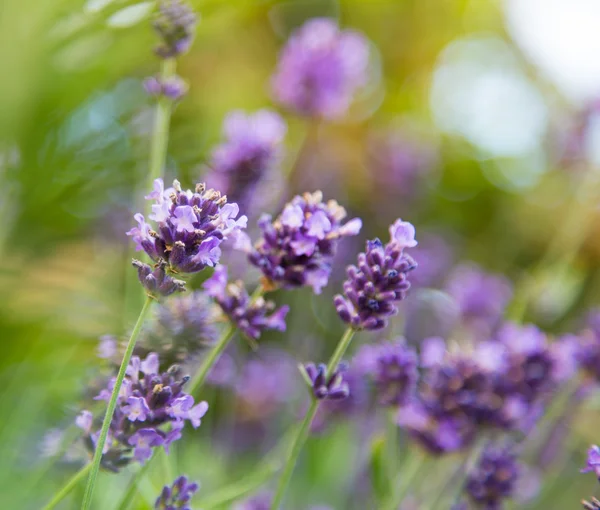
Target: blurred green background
495, 92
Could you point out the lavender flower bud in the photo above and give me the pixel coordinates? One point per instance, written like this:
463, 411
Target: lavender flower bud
156, 281
296, 249
320, 69
324, 387
494, 479
151, 411
379, 280
251, 317
252, 147
173, 88
177, 496
190, 226
393, 368
175, 24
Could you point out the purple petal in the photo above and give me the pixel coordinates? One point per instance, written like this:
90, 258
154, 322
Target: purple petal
84, 421
318, 225
180, 406
184, 218
215, 286
292, 216
403, 234
196, 413
136, 409
150, 365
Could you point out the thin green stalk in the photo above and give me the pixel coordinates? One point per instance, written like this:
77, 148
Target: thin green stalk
68, 487
302, 435
406, 477
160, 135
112, 404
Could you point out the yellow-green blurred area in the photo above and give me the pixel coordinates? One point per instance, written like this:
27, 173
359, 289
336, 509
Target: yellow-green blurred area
497, 92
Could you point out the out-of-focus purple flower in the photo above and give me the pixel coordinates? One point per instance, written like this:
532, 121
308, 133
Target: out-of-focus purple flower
175, 24
320, 69
588, 354
296, 249
261, 501
151, 410
181, 328
393, 368
107, 347
494, 479
155, 279
252, 317
177, 496
435, 257
324, 386
173, 87
190, 226
593, 461
252, 148
594, 504
379, 281
481, 296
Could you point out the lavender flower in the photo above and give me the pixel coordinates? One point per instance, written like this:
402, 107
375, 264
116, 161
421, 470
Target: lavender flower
252, 317
151, 411
177, 496
155, 279
593, 461
173, 87
252, 148
393, 368
296, 249
379, 280
494, 479
323, 387
190, 228
481, 296
320, 69
175, 24
182, 327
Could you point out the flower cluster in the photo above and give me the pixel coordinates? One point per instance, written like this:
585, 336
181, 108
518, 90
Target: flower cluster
181, 328
324, 386
177, 496
190, 227
379, 281
251, 316
296, 249
494, 479
392, 366
320, 69
252, 147
151, 411
173, 87
175, 25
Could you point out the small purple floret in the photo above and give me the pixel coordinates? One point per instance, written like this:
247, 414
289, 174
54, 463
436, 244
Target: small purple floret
177, 496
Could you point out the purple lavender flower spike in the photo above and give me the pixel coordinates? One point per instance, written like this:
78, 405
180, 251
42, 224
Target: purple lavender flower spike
494, 479
323, 387
177, 496
393, 368
593, 461
320, 69
379, 280
151, 411
251, 150
175, 25
252, 317
297, 248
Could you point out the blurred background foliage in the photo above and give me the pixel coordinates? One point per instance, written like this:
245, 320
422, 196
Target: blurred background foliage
496, 96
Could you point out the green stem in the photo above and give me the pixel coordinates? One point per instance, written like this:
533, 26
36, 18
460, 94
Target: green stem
68, 487
160, 135
112, 404
303, 432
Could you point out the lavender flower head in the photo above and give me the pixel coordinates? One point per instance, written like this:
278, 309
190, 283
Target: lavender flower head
177, 496
494, 479
151, 411
253, 146
320, 69
252, 317
379, 281
182, 327
190, 227
481, 296
175, 24
392, 366
296, 249
593, 461
323, 386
